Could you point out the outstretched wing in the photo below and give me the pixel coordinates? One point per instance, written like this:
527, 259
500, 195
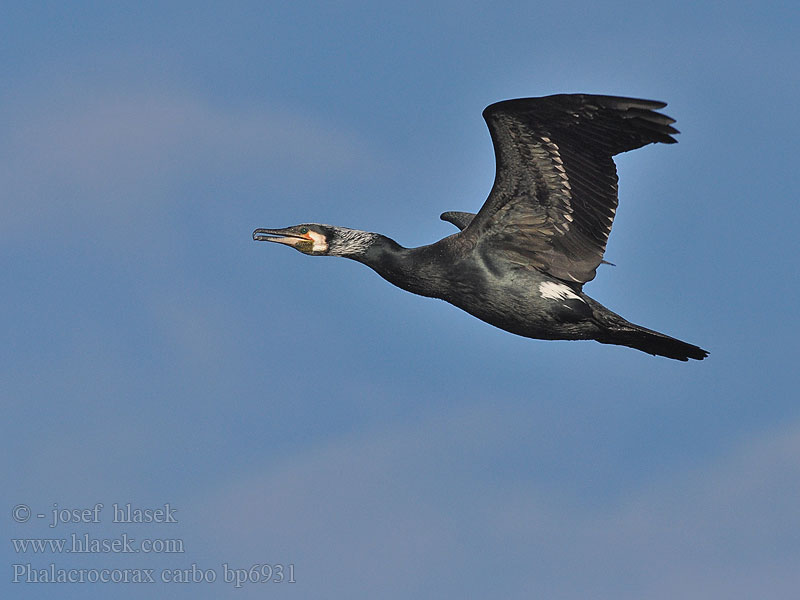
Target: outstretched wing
555, 190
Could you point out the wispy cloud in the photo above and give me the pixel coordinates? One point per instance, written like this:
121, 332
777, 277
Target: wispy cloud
393, 506
69, 150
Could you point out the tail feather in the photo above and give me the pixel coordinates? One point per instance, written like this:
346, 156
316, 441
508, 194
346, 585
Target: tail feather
652, 342
613, 329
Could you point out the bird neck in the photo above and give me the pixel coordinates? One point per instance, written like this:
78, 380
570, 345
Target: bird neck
396, 264
378, 252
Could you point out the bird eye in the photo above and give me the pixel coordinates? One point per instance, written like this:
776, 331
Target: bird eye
304, 230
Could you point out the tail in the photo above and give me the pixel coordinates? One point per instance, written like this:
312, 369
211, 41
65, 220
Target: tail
651, 342
616, 330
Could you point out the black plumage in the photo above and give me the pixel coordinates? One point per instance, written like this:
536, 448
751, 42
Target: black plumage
520, 263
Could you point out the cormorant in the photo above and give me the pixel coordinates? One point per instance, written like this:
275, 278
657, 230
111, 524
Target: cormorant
520, 263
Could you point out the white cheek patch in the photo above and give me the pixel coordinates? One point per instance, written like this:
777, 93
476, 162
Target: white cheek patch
320, 245
557, 291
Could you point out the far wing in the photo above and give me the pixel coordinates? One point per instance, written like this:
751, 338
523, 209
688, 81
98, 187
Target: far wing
457, 218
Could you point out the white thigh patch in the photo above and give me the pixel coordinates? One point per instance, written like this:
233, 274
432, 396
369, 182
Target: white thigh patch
557, 291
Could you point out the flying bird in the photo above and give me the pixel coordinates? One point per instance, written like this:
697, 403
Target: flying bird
520, 263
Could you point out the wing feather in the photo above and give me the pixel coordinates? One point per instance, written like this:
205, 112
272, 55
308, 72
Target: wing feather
555, 192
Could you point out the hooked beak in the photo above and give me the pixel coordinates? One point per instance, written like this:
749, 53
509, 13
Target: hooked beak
281, 236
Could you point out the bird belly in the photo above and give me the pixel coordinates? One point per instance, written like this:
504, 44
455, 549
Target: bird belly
538, 309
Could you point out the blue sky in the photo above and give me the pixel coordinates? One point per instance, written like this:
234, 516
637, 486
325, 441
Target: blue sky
302, 411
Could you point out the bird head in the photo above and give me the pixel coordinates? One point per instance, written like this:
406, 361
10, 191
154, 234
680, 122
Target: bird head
308, 238
319, 240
